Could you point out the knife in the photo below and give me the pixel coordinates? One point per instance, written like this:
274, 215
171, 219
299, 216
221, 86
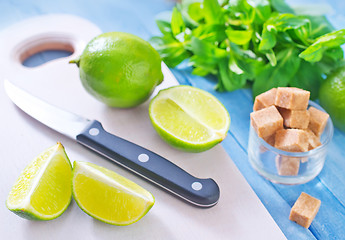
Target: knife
145, 163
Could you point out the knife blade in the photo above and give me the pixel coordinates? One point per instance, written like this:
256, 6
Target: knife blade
143, 162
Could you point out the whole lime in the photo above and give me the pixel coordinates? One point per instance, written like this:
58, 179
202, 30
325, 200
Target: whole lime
119, 69
332, 97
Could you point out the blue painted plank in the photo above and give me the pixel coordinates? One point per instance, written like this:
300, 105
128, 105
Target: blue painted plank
333, 175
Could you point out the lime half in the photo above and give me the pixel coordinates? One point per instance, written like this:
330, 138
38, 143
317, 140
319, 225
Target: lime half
107, 196
43, 190
189, 118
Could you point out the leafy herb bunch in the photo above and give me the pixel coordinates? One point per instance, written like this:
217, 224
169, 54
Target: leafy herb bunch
257, 43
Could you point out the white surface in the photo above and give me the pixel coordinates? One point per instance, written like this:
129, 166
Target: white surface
239, 214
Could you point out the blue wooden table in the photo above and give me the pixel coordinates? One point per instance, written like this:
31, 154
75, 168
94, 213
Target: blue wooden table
137, 17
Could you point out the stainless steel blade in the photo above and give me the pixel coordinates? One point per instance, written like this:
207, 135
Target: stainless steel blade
169, 80
62, 121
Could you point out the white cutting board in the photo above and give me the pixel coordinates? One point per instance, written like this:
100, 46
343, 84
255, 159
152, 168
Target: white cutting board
239, 213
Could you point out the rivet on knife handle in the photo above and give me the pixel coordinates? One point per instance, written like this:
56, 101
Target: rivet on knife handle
201, 192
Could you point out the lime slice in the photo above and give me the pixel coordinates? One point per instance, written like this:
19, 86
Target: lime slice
107, 196
189, 118
43, 190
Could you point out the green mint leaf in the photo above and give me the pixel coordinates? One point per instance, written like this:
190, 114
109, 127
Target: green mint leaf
281, 6
233, 66
308, 77
239, 13
262, 10
207, 50
206, 56
287, 65
213, 12
210, 33
246, 60
164, 26
283, 23
271, 57
163, 20
336, 54
319, 26
177, 23
203, 66
328, 63
219, 86
195, 12
268, 39
202, 70
171, 51
191, 13
314, 52
230, 80
239, 37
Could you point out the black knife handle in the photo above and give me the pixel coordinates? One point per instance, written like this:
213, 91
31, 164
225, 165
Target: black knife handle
147, 164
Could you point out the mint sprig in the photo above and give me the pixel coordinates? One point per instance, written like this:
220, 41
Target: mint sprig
257, 43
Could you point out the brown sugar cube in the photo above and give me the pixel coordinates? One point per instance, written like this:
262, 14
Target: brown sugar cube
318, 120
292, 140
292, 98
258, 105
287, 166
270, 139
265, 99
304, 210
266, 121
295, 118
314, 141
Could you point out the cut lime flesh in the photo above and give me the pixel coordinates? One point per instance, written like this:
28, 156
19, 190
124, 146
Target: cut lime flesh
184, 125
43, 190
189, 118
107, 196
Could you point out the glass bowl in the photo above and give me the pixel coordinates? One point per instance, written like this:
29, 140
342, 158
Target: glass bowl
283, 167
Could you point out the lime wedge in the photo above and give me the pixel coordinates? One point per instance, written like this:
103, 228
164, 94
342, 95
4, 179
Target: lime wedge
189, 118
43, 190
107, 196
